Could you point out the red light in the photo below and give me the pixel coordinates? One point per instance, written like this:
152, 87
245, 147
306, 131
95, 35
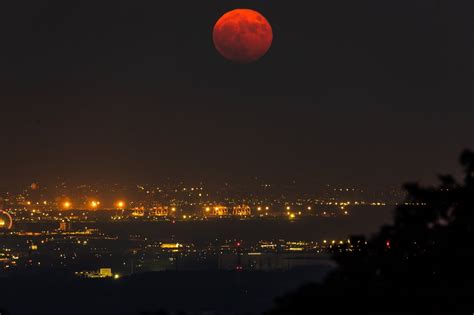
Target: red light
388, 243
238, 244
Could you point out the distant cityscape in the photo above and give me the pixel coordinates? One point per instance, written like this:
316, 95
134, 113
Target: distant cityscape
110, 231
256, 199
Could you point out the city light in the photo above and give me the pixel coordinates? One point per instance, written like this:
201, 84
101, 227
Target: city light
94, 204
171, 246
210, 209
5, 223
120, 204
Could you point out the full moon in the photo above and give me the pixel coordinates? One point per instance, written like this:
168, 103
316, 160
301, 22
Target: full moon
243, 35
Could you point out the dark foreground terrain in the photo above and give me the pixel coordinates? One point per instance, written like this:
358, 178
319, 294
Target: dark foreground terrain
190, 292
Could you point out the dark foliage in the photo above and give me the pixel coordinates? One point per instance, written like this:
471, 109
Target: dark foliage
423, 263
162, 312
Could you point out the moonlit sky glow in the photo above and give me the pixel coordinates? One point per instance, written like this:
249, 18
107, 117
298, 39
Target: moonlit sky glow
371, 92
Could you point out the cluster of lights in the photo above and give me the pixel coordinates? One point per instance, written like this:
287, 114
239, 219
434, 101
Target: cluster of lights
292, 215
93, 204
219, 210
334, 242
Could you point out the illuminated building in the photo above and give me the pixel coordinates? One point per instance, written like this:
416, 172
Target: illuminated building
173, 247
216, 211
242, 210
65, 226
105, 272
138, 212
161, 211
102, 273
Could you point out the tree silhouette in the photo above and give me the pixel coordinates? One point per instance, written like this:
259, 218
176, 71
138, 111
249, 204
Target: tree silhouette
160, 312
422, 263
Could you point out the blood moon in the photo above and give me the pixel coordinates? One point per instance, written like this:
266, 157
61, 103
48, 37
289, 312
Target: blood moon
243, 35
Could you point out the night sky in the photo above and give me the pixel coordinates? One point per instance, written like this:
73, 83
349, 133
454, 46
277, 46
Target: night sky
352, 92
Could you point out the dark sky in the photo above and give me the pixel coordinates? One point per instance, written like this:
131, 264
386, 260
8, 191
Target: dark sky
352, 92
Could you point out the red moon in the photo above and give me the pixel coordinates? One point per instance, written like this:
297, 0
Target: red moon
243, 35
